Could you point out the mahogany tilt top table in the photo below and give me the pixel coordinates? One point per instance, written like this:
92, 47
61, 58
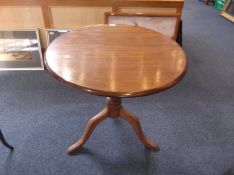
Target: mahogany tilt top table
116, 61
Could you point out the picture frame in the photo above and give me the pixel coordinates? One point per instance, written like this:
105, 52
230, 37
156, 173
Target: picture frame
167, 24
228, 10
52, 34
20, 49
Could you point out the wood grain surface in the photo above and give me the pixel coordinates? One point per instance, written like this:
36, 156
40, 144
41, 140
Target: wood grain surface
116, 60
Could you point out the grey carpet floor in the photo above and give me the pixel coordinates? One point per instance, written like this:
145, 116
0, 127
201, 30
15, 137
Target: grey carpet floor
193, 122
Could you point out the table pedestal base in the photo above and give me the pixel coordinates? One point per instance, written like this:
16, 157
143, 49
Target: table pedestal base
2, 139
114, 110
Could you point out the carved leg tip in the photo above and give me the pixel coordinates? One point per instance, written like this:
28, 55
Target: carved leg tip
71, 150
156, 147
153, 146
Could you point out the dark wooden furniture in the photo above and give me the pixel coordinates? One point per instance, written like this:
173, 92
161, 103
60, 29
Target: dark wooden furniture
179, 39
230, 171
208, 1
116, 61
2, 139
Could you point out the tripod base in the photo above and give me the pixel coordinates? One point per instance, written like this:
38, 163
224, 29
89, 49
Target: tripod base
2, 139
113, 110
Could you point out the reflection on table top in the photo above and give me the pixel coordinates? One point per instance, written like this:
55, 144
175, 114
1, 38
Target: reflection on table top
116, 60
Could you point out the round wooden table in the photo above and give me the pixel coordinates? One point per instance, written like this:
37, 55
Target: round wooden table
116, 61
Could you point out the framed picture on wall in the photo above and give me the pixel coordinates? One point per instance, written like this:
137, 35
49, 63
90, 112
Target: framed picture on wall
20, 49
52, 34
228, 10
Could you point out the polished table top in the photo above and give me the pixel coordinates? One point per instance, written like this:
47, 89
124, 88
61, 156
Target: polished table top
116, 60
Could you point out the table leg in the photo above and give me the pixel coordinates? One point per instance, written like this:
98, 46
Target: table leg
92, 123
113, 110
2, 139
134, 121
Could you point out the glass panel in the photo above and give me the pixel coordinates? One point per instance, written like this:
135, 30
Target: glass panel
20, 49
52, 34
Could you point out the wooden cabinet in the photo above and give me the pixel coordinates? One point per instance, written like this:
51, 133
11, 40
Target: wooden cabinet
75, 17
72, 14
